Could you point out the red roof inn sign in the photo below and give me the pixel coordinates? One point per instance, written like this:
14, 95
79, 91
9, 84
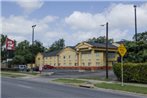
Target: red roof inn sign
10, 44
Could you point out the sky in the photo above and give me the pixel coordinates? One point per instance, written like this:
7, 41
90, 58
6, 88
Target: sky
74, 21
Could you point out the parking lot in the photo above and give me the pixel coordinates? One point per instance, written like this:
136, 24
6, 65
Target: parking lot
63, 73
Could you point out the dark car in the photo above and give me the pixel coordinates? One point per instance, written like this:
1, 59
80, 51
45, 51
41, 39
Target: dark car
36, 68
48, 67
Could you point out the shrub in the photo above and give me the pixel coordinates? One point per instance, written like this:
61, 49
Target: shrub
133, 72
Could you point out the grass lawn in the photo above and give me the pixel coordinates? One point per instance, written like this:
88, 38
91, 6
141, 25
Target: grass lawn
18, 72
94, 78
128, 88
69, 80
11, 75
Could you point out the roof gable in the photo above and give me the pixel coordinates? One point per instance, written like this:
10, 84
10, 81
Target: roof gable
69, 48
53, 53
83, 45
102, 45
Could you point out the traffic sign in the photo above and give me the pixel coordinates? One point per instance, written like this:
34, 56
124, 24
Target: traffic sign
122, 50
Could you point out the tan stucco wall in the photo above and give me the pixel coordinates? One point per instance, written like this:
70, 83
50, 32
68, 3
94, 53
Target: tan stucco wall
67, 57
50, 61
83, 55
39, 59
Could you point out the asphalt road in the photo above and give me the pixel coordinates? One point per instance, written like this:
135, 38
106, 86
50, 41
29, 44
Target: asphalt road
18, 88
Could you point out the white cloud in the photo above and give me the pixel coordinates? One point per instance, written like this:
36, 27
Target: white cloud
30, 5
120, 18
48, 19
79, 26
84, 20
118, 15
17, 38
22, 25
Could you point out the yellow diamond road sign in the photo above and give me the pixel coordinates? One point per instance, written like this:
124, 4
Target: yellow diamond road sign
122, 50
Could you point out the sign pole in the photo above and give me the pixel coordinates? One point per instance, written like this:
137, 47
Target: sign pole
122, 51
122, 77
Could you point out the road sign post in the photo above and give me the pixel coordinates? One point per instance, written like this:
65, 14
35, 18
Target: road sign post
122, 77
122, 51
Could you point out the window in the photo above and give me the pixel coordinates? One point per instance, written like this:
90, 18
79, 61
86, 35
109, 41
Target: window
96, 54
97, 63
55, 64
69, 64
111, 55
58, 64
75, 64
63, 57
97, 59
69, 56
83, 64
38, 58
89, 63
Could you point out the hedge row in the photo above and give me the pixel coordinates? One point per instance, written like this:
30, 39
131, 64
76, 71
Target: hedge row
133, 72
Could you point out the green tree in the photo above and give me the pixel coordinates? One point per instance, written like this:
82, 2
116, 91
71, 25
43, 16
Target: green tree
57, 45
35, 48
141, 36
22, 51
18, 59
27, 52
3, 49
101, 39
137, 51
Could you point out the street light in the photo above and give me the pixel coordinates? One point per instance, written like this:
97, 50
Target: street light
33, 26
106, 49
135, 23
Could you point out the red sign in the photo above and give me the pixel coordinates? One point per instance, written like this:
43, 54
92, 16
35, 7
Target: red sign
10, 44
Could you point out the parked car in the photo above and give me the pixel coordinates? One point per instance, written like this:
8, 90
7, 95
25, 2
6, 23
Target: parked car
48, 67
22, 67
36, 68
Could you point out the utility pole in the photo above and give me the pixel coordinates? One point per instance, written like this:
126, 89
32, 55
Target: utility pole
33, 26
135, 23
107, 50
33, 34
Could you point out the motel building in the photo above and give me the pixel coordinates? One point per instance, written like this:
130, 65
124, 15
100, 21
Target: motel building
82, 56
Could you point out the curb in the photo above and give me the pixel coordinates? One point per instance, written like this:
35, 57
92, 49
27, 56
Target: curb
86, 85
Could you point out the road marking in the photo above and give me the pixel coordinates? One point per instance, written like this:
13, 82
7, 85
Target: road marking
24, 86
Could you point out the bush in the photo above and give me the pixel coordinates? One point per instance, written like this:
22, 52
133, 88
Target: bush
133, 72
